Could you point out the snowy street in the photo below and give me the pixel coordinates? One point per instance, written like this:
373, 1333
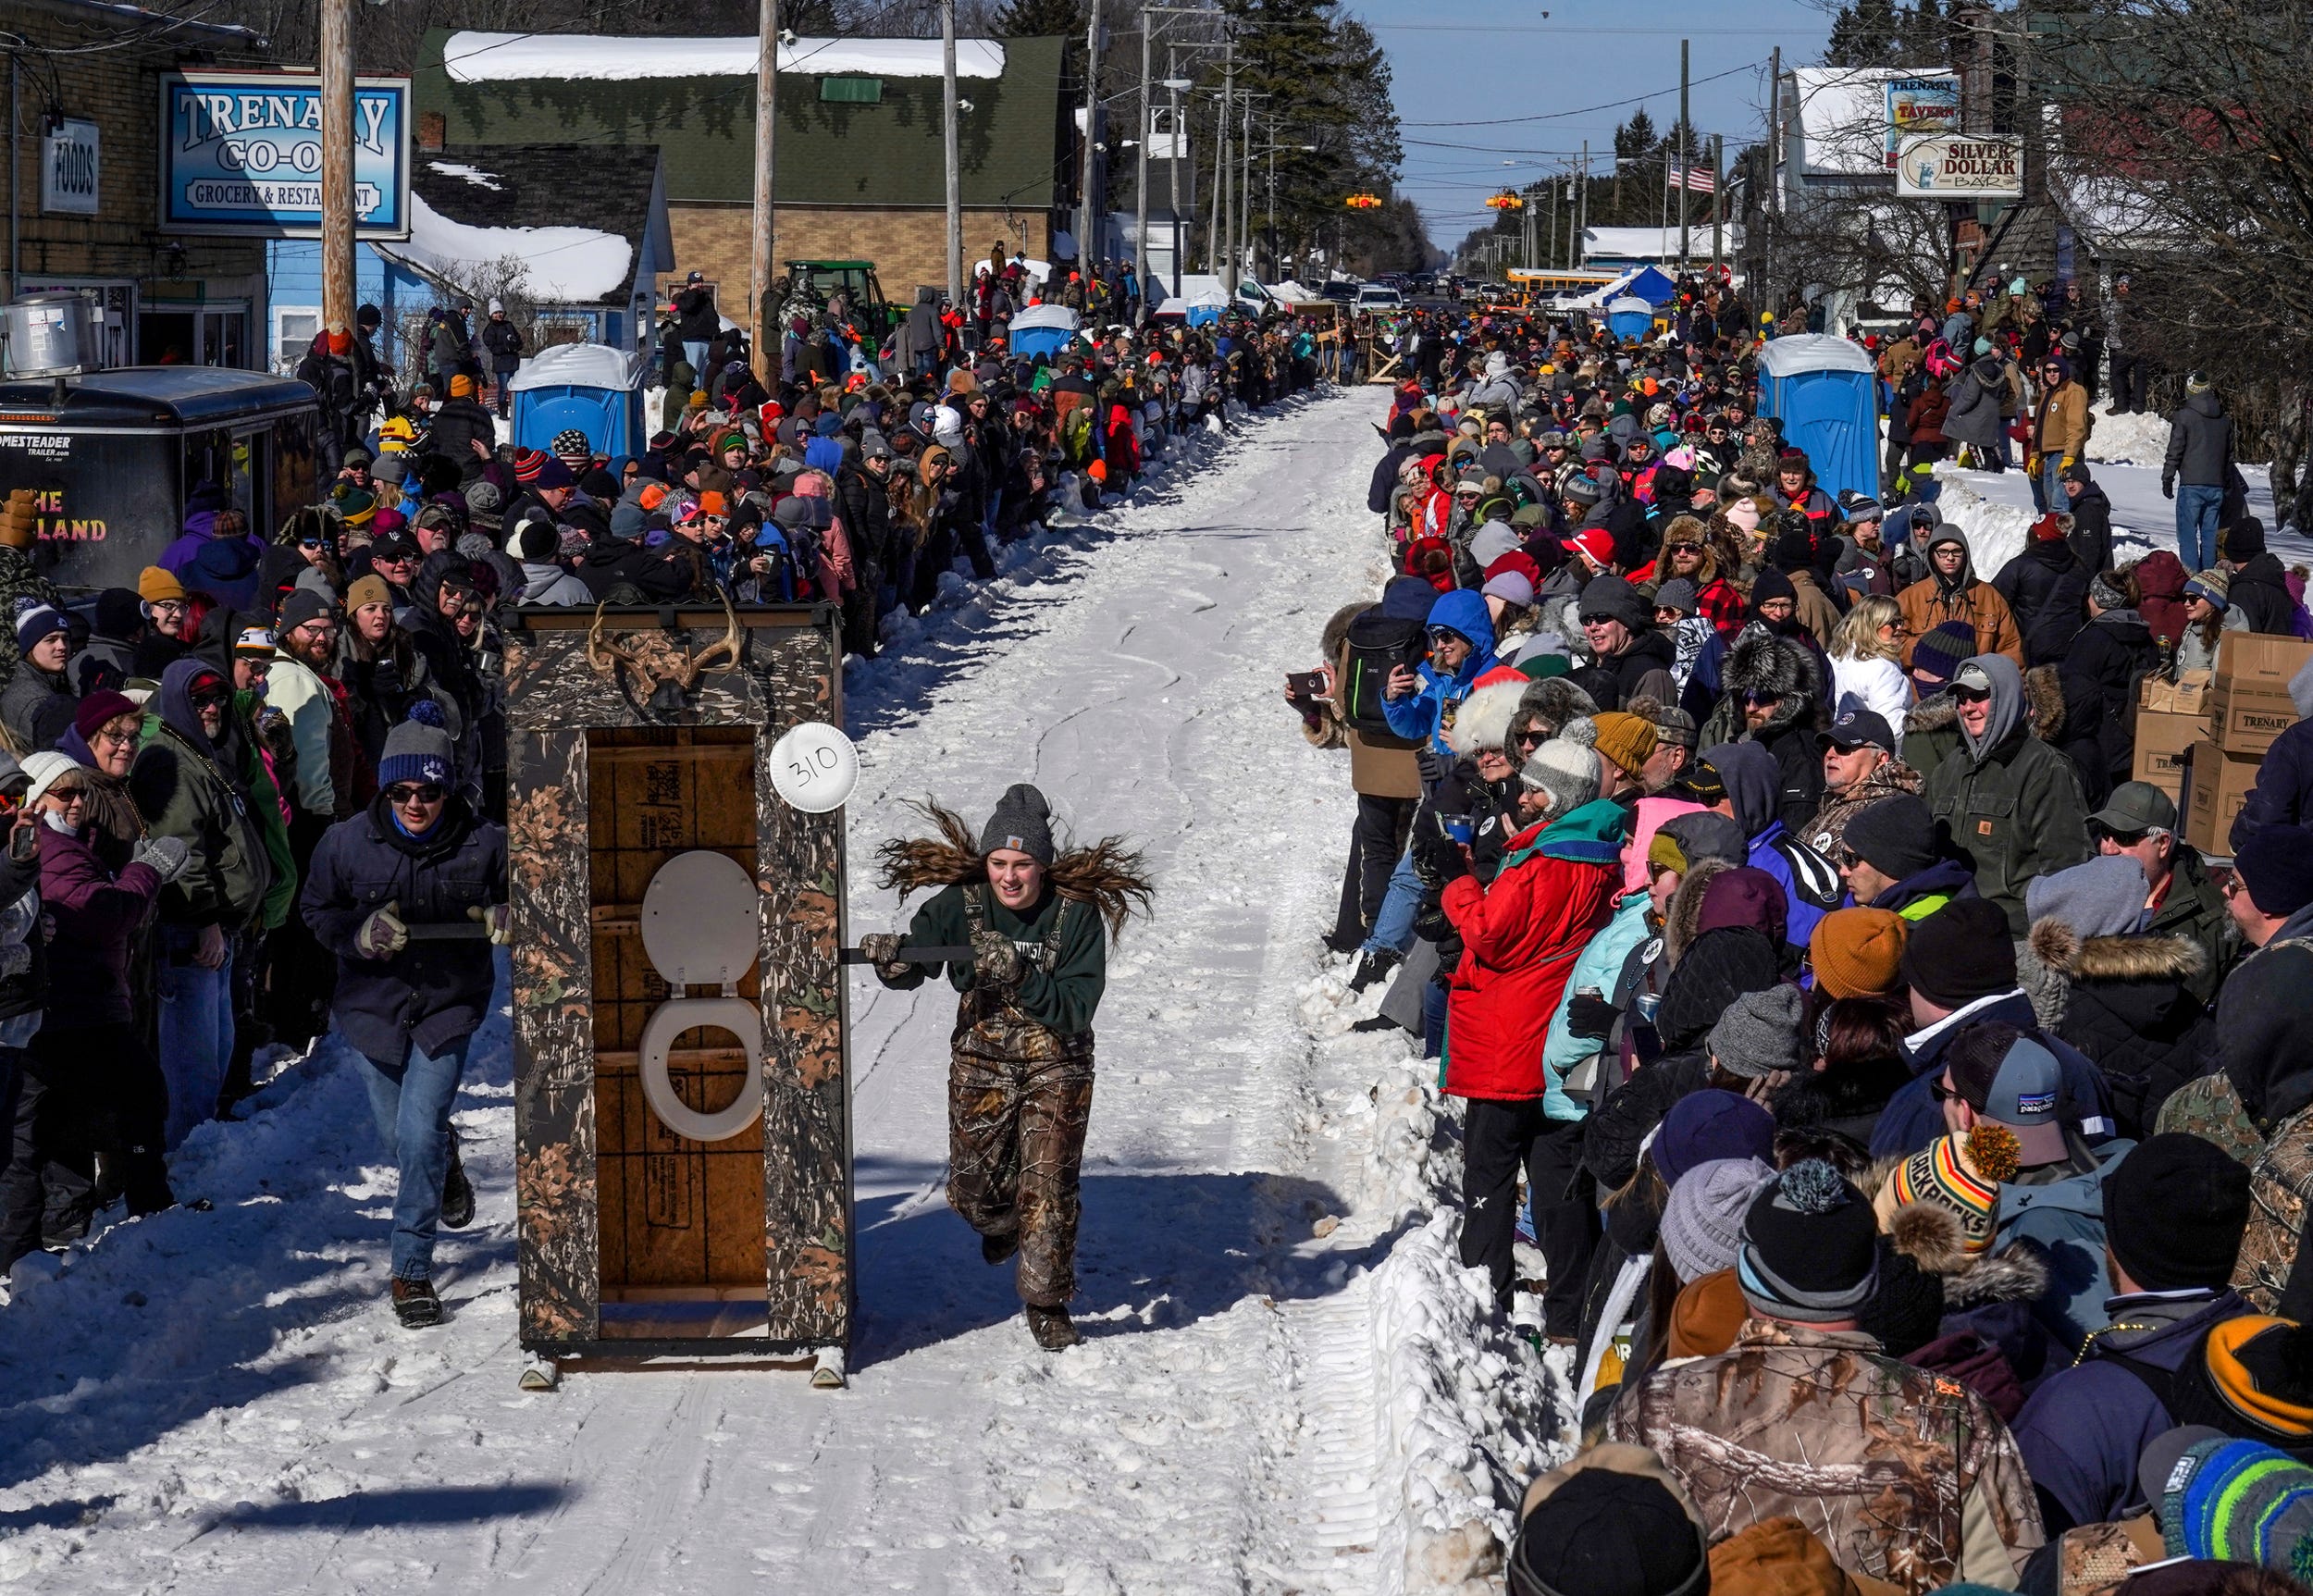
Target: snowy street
222, 1402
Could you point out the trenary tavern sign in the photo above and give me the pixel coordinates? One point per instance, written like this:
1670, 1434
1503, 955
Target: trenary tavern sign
241, 153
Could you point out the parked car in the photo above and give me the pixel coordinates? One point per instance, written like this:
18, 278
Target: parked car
1374, 297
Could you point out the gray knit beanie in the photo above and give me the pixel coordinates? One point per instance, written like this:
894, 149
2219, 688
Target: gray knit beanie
1566, 770
1022, 823
1702, 1223
2108, 592
1759, 1032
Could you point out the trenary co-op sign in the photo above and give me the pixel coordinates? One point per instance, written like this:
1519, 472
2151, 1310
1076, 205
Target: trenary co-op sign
241, 153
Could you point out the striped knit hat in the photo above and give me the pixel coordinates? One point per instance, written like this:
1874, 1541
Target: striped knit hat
1960, 1174
2239, 1501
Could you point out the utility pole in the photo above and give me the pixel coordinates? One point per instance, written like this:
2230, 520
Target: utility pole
947, 139
1578, 247
336, 166
1245, 188
1772, 211
1084, 216
1172, 168
1140, 179
1684, 160
1718, 195
764, 224
1224, 174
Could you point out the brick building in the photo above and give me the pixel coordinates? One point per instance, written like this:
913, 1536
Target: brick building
85, 194
860, 169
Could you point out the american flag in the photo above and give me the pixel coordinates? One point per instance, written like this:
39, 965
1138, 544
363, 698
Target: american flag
1702, 179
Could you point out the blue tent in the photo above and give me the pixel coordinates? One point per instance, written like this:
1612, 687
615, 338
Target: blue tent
590, 387
1825, 392
1649, 284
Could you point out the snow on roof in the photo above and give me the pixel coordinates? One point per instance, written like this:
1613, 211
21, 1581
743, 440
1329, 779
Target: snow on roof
479, 58
567, 266
1659, 244
474, 175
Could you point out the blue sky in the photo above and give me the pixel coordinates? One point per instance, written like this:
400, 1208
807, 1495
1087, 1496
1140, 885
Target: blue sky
1479, 59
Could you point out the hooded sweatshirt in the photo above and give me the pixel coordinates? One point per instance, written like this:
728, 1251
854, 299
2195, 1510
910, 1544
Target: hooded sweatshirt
1428, 713
2013, 801
1810, 886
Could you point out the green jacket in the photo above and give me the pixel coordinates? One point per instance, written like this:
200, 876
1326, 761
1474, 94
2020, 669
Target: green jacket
2015, 812
1063, 998
265, 801
180, 792
2195, 909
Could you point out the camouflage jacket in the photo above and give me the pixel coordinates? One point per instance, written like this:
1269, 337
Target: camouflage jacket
2279, 1176
2210, 1107
1827, 833
1906, 1477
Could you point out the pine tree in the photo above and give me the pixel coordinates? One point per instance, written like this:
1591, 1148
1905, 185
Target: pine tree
1039, 18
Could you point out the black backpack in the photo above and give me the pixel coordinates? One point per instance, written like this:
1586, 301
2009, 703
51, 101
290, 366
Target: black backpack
1378, 644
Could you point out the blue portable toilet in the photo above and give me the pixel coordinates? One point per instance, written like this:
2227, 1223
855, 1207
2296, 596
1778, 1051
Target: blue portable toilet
1045, 330
1825, 392
1629, 317
588, 386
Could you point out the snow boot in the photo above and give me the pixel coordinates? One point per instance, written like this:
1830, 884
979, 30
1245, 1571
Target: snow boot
1052, 1328
1373, 1022
457, 1191
1373, 966
415, 1304
996, 1249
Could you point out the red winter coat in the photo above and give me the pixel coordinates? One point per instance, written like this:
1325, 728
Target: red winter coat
1519, 939
2161, 595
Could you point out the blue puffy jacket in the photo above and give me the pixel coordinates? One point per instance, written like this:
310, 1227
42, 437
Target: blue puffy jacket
1422, 713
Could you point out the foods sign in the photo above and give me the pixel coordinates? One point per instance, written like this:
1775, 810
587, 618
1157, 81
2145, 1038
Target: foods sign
1956, 167
241, 153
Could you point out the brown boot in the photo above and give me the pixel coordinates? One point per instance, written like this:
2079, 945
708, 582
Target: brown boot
1052, 1328
415, 1304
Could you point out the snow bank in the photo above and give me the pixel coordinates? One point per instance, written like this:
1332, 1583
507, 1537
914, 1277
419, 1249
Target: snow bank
2128, 439
482, 58
1470, 1412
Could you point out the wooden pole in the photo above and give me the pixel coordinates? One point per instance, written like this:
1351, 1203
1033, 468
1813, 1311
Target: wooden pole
1718, 193
1139, 178
762, 327
336, 166
948, 141
1684, 160
1087, 218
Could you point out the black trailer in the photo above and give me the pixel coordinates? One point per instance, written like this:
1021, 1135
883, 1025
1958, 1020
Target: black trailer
112, 456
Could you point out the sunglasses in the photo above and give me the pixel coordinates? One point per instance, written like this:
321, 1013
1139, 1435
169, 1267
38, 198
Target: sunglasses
1444, 635
415, 792
1756, 699
1968, 696
1686, 548
310, 544
208, 698
1939, 1090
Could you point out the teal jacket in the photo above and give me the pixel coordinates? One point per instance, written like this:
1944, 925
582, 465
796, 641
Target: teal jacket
2065, 1220
1597, 967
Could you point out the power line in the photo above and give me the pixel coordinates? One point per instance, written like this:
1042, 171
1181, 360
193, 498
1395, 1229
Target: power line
1579, 110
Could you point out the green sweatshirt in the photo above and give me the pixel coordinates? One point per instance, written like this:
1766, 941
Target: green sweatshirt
1063, 999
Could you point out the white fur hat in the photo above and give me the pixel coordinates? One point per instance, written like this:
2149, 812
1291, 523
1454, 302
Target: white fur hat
1482, 720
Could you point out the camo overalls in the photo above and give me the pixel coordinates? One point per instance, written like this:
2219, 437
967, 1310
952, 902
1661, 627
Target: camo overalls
1019, 1096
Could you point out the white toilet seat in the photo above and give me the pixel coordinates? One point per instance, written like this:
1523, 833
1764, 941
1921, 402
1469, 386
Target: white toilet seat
669, 1021
700, 925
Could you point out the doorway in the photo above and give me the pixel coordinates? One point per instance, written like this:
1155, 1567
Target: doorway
196, 335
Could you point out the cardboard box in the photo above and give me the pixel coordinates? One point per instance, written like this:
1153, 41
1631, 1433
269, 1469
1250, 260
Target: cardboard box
2249, 705
2161, 742
2219, 785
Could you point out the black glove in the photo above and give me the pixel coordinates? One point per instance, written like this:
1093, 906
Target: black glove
1427, 763
1590, 1015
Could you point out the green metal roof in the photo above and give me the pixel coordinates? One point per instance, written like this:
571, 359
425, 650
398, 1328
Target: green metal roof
882, 155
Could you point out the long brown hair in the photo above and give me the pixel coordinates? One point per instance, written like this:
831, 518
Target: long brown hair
1108, 874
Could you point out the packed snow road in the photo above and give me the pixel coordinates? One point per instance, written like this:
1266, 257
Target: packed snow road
222, 1402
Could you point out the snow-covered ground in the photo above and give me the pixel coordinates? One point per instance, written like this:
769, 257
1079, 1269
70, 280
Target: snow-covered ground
1287, 1383
2124, 453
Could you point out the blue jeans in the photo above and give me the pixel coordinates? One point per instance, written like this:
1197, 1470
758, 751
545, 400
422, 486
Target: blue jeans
411, 1103
2047, 489
1393, 926
2197, 508
196, 1032
697, 355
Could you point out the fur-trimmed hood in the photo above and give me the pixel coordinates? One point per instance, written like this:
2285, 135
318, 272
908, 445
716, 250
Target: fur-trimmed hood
1336, 633
1761, 662
1937, 713
2044, 702
1930, 1237
1683, 911
2064, 952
